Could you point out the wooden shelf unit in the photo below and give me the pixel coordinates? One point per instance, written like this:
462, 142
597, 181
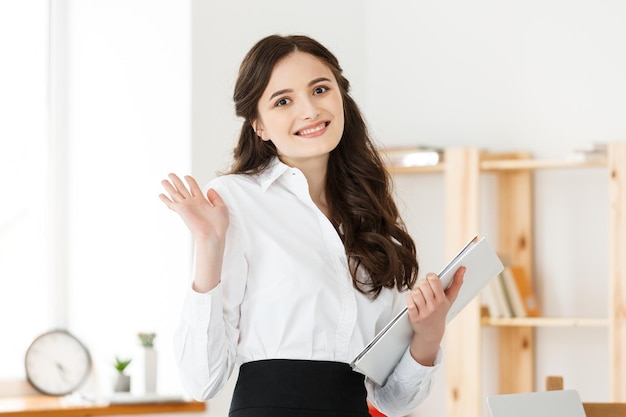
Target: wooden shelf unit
462, 169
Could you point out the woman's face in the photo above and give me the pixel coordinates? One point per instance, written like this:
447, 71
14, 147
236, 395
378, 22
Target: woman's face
301, 110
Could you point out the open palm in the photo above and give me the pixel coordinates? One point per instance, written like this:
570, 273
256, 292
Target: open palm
205, 216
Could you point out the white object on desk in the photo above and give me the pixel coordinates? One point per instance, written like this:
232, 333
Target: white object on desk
565, 403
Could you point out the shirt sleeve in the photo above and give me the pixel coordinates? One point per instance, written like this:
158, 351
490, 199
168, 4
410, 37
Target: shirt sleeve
410, 382
407, 386
205, 341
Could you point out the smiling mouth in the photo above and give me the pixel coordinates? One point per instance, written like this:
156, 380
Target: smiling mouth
312, 130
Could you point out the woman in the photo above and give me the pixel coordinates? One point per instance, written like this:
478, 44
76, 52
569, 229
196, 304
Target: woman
300, 253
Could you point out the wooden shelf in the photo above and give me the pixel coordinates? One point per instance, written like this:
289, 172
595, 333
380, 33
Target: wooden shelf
496, 164
544, 322
399, 170
535, 164
461, 170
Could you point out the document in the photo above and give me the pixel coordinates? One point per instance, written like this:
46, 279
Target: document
378, 359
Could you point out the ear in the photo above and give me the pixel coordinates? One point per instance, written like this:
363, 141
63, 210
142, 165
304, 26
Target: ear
258, 129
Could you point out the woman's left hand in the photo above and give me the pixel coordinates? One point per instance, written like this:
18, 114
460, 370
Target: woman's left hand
428, 304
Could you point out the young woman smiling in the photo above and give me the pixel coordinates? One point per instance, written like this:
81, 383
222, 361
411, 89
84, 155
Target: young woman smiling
300, 253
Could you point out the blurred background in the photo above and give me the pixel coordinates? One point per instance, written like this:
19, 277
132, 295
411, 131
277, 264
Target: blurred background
101, 99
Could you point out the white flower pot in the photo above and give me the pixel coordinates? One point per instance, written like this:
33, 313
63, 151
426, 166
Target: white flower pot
122, 383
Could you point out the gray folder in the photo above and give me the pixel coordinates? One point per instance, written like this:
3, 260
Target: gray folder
378, 359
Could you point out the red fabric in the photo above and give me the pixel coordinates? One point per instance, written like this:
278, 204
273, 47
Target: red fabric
374, 412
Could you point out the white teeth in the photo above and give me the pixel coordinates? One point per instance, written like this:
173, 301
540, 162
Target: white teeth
313, 130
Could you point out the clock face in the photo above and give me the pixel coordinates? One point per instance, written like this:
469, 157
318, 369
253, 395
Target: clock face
57, 363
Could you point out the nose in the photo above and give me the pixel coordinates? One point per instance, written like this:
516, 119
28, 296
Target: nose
310, 110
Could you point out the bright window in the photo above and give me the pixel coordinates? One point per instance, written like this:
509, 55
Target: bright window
23, 179
100, 255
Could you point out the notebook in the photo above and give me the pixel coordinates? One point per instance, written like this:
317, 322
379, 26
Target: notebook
378, 359
557, 403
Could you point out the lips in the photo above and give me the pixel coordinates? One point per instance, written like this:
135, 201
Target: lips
311, 130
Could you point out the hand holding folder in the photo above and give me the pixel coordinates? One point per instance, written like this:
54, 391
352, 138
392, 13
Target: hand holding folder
378, 359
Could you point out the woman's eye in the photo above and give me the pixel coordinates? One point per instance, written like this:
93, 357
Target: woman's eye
282, 102
320, 90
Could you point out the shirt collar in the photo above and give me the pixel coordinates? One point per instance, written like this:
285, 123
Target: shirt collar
274, 170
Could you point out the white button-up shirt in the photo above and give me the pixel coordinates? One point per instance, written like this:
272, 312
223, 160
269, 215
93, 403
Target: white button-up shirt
286, 293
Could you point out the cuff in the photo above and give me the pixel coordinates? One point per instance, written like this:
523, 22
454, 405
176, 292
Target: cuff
408, 369
198, 308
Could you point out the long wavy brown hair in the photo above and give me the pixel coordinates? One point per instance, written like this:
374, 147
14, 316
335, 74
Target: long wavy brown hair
358, 186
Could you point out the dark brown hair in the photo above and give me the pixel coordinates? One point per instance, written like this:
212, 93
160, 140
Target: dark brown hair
358, 187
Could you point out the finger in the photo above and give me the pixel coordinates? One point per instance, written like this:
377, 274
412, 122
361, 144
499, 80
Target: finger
180, 187
166, 200
214, 198
453, 290
436, 285
426, 288
171, 190
172, 176
410, 303
194, 188
417, 298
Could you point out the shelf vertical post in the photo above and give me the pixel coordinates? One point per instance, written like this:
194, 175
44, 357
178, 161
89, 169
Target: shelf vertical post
516, 348
463, 366
617, 270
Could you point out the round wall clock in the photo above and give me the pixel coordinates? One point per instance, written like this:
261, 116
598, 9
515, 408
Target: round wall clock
57, 363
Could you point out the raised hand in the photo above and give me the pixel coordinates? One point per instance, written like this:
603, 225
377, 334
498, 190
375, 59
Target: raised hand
205, 216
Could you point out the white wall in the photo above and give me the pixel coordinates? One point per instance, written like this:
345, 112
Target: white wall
538, 75
128, 105
543, 76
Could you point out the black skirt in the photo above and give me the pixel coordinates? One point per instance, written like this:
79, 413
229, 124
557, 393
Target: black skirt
298, 388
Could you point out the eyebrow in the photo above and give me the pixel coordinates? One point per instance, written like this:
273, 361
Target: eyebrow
288, 90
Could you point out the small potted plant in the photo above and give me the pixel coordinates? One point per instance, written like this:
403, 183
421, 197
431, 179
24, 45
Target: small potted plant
146, 339
122, 383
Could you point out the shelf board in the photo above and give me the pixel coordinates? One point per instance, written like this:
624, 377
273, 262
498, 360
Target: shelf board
504, 165
396, 169
545, 322
515, 164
